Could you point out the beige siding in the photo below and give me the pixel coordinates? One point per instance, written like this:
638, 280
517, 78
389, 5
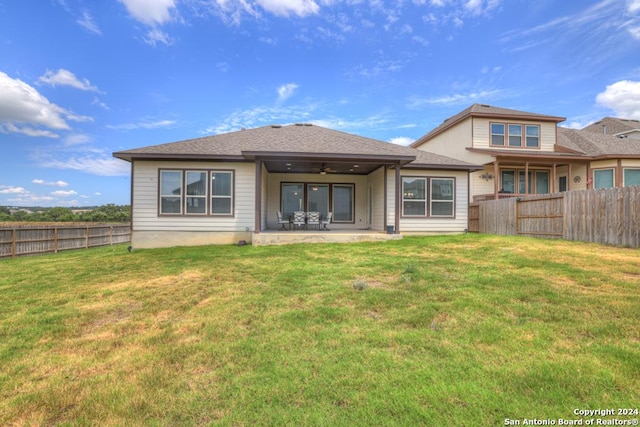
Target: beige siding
145, 196
600, 164
458, 224
376, 183
481, 133
454, 143
630, 163
479, 185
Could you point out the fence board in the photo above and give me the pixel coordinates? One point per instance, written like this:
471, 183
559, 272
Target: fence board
30, 239
609, 216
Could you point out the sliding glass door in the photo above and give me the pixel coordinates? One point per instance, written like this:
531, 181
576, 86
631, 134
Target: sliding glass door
318, 198
323, 198
292, 199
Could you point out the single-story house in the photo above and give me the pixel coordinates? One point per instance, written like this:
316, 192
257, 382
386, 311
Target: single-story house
230, 187
525, 153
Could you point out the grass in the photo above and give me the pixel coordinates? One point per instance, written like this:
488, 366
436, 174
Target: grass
465, 330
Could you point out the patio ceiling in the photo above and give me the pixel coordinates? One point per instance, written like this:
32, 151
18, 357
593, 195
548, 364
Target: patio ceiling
315, 167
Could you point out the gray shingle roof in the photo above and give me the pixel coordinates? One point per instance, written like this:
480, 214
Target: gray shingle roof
484, 110
613, 125
596, 144
300, 140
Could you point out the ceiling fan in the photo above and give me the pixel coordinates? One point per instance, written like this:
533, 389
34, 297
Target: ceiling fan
324, 170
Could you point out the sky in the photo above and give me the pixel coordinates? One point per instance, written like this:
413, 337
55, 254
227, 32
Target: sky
80, 79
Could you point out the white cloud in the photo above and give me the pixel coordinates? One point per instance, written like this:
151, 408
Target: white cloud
633, 6
97, 194
87, 22
64, 77
150, 12
98, 164
285, 91
635, 32
155, 36
22, 104
63, 193
76, 139
402, 140
6, 189
288, 7
458, 98
143, 125
623, 97
49, 183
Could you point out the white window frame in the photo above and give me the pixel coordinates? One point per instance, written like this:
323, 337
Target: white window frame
526, 136
491, 134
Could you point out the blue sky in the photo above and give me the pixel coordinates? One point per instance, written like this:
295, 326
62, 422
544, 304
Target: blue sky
80, 79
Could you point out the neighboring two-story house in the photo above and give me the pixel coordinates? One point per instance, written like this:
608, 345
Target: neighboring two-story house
526, 153
622, 128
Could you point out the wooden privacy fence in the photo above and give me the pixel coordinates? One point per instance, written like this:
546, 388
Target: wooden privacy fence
610, 216
30, 239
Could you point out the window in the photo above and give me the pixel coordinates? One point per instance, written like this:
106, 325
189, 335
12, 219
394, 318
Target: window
171, 192
439, 198
343, 202
542, 182
603, 178
414, 197
497, 134
514, 136
631, 177
562, 183
508, 181
316, 197
221, 193
196, 192
533, 136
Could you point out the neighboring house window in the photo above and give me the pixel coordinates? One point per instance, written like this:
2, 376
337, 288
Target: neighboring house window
562, 183
221, 193
508, 181
414, 197
171, 192
196, 198
188, 192
533, 136
631, 177
497, 134
603, 178
514, 135
343, 202
439, 198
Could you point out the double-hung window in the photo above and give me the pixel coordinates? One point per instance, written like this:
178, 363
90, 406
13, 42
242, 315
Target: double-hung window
515, 135
428, 197
221, 193
196, 192
171, 192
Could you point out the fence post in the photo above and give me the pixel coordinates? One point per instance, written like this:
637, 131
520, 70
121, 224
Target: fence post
13, 243
86, 237
111, 235
55, 240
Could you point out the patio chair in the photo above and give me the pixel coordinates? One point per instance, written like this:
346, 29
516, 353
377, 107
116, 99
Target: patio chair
299, 218
326, 221
313, 218
282, 221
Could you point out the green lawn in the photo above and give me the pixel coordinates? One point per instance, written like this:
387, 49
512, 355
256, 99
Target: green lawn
459, 331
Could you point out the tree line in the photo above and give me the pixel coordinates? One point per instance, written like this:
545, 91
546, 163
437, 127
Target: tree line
105, 213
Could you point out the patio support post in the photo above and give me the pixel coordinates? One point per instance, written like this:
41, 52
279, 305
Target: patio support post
496, 180
526, 178
554, 180
385, 201
258, 210
569, 177
398, 194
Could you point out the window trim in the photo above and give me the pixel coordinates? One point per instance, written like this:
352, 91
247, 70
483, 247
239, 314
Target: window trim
187, 196
613, 176
429, 197
624, 179
183, 193
232, 197
424, 201
333, 200
506, 136
161, 196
